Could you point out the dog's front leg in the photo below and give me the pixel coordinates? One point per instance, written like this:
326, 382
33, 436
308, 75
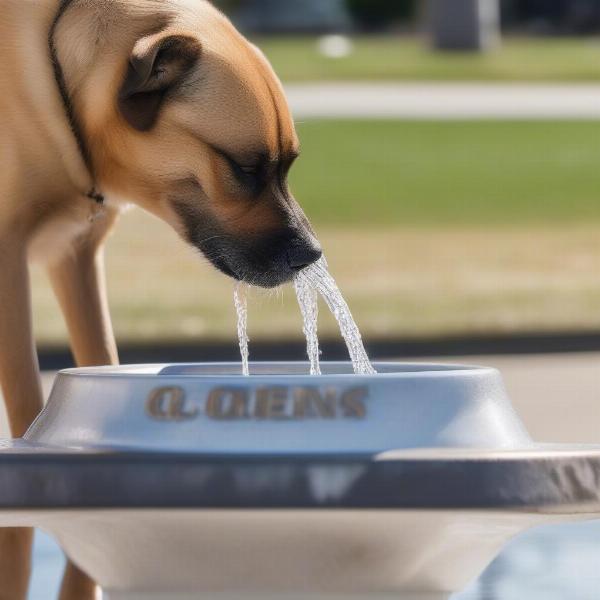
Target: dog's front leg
20, 381
78, 282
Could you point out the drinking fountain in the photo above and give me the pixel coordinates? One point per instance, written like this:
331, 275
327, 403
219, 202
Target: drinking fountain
180, 481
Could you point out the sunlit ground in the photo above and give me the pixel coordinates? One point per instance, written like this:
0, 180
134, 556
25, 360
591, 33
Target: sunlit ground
398, 282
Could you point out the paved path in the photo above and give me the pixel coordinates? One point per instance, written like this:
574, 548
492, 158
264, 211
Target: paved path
556, 395
445, 101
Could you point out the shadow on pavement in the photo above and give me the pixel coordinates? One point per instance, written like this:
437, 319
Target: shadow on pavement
52, 358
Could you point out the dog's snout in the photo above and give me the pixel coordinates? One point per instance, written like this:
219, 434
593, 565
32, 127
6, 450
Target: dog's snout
303, 253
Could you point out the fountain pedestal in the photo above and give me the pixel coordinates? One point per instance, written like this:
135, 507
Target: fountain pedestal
189, 481
302, 555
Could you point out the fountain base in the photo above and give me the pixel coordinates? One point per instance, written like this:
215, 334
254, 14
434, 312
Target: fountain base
190, 481
295, 554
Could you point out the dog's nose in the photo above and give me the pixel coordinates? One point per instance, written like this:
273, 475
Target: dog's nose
303, 253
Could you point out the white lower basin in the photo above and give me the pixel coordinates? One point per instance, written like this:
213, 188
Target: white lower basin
160, 554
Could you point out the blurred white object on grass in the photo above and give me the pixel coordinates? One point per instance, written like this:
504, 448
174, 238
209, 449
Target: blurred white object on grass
335, 46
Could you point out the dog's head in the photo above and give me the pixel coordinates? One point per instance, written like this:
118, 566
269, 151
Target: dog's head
198, 132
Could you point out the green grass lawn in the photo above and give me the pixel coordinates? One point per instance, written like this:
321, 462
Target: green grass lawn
410, 58
449, 173
429, 228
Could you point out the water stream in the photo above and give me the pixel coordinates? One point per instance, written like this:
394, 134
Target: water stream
312, 281
316, 278
307, 301
240, 300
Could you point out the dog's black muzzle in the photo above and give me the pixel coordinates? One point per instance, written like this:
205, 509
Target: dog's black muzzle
268, 261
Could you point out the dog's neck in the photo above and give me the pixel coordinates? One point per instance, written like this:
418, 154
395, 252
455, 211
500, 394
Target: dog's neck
91, 191
89, 41
40, 117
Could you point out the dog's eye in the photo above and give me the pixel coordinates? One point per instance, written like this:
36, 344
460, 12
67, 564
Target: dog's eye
251, 177
241, 171
249, 170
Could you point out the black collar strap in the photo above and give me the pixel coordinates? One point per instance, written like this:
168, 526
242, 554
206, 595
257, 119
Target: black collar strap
96, 196
59, 77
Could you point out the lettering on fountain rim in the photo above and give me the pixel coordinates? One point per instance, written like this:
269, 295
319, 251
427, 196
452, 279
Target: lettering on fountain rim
266, 403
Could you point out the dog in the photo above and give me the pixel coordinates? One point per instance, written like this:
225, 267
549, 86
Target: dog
158, 103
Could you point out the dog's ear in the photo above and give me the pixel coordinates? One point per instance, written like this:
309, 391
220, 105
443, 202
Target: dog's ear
157, 65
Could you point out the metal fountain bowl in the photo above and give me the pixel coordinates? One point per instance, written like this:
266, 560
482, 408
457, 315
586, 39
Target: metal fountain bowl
191, 481
280, 408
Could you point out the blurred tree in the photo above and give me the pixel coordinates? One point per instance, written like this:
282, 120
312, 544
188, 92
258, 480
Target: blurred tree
584, 16
292, 16
380, 14
552, 16
228, 6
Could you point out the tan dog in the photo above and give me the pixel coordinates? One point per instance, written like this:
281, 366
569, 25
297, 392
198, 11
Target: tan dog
157, 102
